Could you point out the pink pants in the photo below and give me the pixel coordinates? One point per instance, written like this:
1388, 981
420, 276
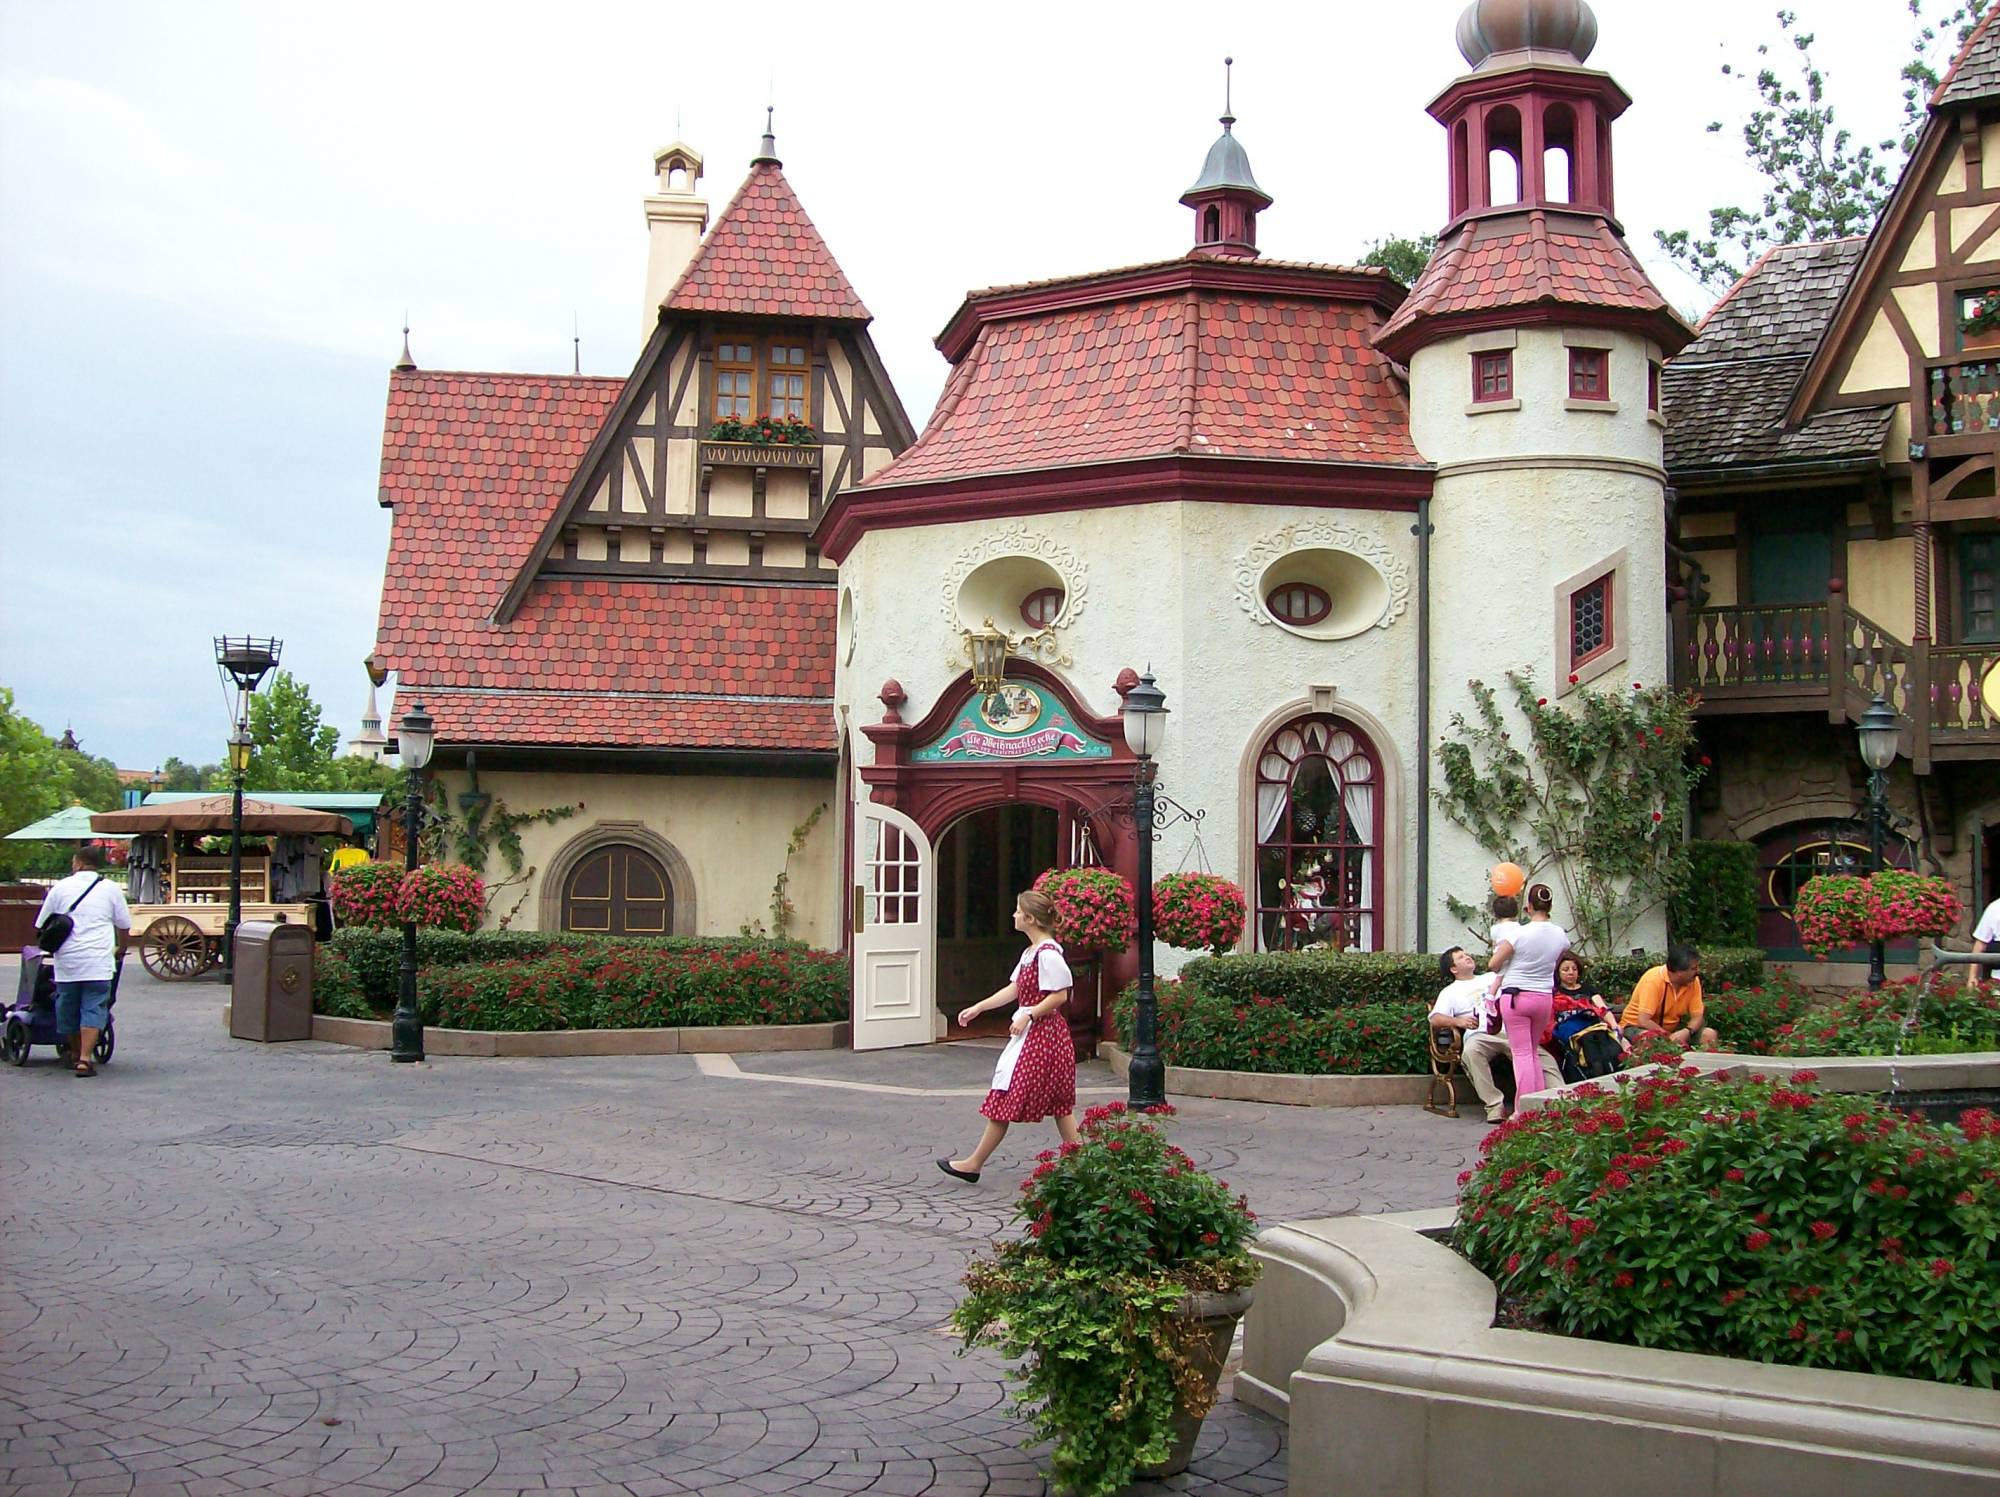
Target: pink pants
1524, 1016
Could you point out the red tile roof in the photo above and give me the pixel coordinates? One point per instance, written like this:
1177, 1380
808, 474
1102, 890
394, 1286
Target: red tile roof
1202, 373
472, 467
1524, 261
763, 257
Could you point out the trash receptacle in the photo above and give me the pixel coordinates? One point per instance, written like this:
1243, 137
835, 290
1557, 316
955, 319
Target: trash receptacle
272, 996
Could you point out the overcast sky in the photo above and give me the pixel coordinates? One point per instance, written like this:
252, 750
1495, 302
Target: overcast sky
213, 216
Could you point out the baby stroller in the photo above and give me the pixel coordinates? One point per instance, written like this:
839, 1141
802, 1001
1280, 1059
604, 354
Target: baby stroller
32, 1019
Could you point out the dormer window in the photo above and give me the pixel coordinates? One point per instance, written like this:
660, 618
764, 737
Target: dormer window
762, 377
735, 380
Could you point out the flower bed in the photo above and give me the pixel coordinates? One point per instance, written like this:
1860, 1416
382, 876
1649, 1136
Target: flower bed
1750, 1218
1952, 1019
1205, 1031
1120, 1229
375, 956
1318, 980
611, 986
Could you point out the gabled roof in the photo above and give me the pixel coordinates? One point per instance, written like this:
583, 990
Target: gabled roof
764, 258
472, 466
1571, 261
1724, 397
1974, 74
1188, 358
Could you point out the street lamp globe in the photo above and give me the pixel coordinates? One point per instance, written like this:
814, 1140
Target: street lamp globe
416, 735
1879, 734
1145, 718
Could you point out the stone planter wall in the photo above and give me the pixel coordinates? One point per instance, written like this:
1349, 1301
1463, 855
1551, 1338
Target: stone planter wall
1289, 1088
1871, 1075
1379, 1345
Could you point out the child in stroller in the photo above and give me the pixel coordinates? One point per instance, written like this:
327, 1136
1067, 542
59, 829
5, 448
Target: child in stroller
31, 1020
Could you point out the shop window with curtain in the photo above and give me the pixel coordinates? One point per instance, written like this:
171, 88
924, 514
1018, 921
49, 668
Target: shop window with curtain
1319, 838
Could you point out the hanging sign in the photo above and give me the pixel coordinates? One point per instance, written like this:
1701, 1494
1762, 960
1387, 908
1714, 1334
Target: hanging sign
1019, 721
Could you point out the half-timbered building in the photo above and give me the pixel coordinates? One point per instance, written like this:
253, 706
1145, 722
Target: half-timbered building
622, 621
1832, 442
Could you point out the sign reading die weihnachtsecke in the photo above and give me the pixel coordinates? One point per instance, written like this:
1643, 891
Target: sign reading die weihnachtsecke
1016, 722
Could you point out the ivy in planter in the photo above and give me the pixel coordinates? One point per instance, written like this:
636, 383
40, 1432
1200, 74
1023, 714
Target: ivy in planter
1120, 1228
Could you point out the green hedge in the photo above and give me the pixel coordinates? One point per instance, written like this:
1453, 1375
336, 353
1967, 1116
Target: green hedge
638, 986
376, 955
1316, 981
337, 992
1199, 1028
1717, 904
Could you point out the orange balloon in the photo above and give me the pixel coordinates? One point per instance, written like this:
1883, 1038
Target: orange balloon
1508, 878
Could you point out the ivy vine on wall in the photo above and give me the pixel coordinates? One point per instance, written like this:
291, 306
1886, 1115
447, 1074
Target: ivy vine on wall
1595, 803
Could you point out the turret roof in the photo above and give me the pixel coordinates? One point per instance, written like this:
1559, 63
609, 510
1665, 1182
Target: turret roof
765, 258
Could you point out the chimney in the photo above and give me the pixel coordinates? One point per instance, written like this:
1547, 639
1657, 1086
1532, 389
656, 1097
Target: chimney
675, 219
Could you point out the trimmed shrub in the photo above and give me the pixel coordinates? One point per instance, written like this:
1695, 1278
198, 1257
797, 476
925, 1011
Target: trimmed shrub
1314, 981
376, 955
1952, 1019
1199, 1028
337, 992
1716, 904
1748, 1218
638, 986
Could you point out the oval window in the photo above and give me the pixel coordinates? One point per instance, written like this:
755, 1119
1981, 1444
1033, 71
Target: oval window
1299, 603
1040, 607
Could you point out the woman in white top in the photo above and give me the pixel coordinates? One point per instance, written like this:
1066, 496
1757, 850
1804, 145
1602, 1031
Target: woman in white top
1036, 1077
1527, 967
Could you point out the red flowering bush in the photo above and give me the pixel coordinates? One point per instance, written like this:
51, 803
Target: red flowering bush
1198, 1028
1120, 1228
1951, 1018
366, 894
1198, 912
1751, 1218
337, 992
1094, 908
448, 895
1842, 909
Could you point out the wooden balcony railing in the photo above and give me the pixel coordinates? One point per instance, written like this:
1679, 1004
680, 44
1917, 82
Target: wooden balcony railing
1964, 398
1828, 656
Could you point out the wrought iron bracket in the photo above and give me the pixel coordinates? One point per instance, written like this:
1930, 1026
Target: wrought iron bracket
1166, 810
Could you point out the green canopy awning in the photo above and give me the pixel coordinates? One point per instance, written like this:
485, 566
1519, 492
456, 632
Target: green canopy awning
70, 824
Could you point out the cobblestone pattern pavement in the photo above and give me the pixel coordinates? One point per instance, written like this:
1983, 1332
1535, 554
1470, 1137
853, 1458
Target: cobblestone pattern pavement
299, 1269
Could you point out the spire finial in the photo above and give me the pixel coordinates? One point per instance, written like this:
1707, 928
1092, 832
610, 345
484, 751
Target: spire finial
767, 153
1228, 113
406, 362
576, 341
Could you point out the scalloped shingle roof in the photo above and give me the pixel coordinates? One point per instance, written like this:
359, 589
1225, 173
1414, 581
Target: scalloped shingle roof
764, 258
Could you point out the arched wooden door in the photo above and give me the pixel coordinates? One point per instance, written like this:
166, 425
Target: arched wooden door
619, 890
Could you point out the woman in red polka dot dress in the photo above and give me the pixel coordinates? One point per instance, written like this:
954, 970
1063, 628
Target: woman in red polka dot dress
1036, 1077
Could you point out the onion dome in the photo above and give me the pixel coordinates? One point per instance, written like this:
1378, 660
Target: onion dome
1492, 28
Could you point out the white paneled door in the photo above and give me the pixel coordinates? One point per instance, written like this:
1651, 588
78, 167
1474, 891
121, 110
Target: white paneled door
895, 931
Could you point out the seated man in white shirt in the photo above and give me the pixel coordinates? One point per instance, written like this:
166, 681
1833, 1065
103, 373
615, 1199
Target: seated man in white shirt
1464, 1005
1986, 937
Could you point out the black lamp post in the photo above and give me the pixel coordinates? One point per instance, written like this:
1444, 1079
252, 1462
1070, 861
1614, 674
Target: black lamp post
1879, 734
1145, 731
415, 737
239, 765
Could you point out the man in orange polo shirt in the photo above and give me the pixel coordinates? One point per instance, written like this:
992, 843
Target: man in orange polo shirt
1667, 1000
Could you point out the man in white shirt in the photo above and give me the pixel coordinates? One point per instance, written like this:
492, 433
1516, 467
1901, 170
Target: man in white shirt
1985, 937
1463, 1005
86, 962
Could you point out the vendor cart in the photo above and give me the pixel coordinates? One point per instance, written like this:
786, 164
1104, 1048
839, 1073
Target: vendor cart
179, 893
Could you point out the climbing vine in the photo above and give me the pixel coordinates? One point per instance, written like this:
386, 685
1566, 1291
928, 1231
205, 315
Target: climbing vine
485, 826
782, 908
1596, 803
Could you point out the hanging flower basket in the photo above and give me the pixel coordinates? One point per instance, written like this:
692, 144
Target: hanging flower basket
447, 895
1198, 912
1094, 908
1906, 905
366, 894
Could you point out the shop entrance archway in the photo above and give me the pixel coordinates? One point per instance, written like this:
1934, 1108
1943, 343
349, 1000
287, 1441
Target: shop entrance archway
984, 860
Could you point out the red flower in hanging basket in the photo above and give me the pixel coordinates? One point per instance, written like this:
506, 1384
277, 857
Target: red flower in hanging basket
1094, 908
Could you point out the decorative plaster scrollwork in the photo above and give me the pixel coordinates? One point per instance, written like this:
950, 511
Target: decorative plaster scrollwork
1010, 539
1329, 535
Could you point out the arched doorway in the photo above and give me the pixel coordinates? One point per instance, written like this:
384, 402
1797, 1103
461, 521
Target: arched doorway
618, 889
984, 859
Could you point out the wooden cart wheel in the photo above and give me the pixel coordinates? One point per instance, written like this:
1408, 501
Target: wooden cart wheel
174, 949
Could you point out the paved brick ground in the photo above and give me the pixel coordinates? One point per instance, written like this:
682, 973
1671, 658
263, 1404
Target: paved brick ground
298, 1269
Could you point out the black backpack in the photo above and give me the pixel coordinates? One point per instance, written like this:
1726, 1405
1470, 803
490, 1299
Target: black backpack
57, 928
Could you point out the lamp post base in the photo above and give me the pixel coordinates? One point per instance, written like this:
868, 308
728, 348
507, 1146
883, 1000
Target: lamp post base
1145, 1081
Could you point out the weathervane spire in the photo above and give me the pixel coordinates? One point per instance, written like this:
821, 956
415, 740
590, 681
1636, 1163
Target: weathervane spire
767, 153
406, 362
1228, 112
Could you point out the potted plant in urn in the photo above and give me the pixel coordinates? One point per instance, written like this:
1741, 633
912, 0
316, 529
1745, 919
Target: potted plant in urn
1118, 1301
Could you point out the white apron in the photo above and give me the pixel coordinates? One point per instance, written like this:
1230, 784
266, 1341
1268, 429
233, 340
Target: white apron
1003, 1073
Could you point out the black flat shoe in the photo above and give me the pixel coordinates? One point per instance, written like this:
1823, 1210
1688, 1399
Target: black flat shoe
971, 1177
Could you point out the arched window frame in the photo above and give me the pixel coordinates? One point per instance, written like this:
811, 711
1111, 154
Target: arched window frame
1309, 887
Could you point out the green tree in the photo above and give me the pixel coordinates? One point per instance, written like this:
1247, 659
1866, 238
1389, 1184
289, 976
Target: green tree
1817, 182
178, 774
1403, 257
291, 748
32, 785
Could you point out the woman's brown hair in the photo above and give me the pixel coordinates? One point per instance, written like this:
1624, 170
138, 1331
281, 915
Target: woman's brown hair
1541, 897
1039, 908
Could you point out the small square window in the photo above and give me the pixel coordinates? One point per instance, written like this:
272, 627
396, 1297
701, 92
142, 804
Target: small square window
1653, 386
1493, 375
1589, 374
1590, 621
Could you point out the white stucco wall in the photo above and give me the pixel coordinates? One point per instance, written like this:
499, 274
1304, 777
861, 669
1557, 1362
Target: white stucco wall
731, 831
1156, 586
1526, 500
